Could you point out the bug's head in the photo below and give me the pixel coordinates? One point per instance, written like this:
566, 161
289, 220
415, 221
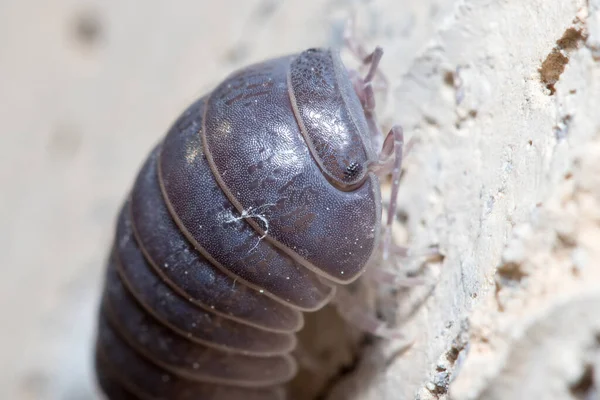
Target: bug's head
333, 113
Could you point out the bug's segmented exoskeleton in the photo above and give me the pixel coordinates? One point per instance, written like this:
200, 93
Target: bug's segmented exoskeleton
262, 197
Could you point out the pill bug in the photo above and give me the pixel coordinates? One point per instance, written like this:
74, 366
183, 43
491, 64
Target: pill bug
263, 196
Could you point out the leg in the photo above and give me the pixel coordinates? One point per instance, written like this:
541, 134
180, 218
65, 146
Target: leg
374, 60
407, 255
366, 94
392, 149
390, 160
403, 271
364, 90
364, 86
358, 315
351, 41
358, 50
390, 278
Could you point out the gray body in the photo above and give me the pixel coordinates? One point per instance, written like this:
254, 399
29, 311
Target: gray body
255, 205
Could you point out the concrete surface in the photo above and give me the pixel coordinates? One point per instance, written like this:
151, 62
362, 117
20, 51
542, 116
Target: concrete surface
503, 97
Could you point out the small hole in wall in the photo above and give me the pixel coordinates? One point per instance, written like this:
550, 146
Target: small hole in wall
558, 58
87, 28
552, 68
584, 388
449, 78
238, 53
510, 272
402, 216
565, 241
571, 39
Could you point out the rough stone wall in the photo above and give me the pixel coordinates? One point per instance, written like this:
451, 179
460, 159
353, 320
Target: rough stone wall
503, 97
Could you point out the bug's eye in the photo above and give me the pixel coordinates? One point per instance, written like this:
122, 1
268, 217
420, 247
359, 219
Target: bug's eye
353, 170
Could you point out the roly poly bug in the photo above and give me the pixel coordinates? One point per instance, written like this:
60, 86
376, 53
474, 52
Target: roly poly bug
261, 199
